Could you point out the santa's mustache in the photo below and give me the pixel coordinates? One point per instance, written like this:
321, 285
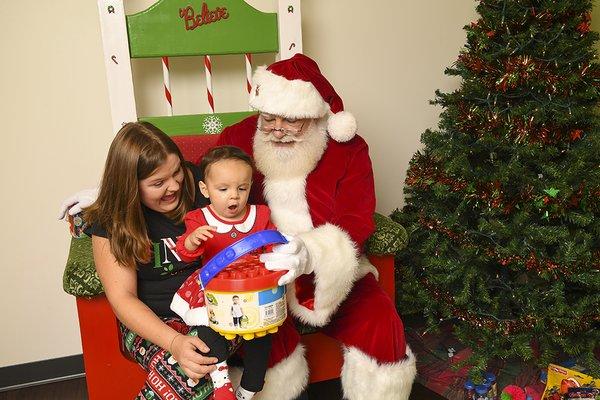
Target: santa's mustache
270, 137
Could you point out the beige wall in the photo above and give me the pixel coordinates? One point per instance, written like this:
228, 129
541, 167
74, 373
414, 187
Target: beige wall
386, 58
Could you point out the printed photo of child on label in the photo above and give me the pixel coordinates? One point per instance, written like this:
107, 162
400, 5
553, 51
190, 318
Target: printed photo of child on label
237, 313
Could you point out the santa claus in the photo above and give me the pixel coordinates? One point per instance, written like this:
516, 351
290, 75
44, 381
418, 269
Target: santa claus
315, 174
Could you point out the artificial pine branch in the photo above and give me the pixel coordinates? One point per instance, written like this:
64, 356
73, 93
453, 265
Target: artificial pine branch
503, 202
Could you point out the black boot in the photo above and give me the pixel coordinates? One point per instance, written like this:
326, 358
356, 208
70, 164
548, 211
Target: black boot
303, 395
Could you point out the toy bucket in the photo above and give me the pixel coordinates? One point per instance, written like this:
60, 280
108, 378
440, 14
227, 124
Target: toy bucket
242, 296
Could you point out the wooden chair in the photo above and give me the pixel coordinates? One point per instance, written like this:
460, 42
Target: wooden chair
172, 28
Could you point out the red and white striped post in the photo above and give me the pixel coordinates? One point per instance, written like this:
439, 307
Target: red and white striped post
167, 85
249, 72
209, 89
248, 59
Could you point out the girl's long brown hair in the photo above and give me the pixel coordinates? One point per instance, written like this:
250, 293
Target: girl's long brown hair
138, 149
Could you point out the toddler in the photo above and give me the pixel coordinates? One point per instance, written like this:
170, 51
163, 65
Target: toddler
226, 181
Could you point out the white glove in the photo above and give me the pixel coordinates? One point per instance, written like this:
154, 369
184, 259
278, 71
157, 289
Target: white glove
292, 256
76, 203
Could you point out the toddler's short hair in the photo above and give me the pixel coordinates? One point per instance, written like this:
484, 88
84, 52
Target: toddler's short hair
224, 153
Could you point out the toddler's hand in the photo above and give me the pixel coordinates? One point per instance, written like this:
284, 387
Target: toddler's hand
201, 234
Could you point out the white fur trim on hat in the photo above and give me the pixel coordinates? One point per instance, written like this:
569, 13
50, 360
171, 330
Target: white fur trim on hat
365, 378
277, 95
341, 126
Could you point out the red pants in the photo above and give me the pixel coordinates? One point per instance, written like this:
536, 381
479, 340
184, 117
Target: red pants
367, 320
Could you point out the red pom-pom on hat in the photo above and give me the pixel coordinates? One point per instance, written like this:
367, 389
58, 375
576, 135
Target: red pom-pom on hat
295, 88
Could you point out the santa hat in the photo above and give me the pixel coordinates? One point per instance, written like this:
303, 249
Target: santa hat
295, 88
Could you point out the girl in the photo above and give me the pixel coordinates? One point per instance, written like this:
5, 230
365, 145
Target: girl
146, 190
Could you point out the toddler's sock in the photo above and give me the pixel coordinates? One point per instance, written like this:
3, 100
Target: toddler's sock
222, 384
243, 394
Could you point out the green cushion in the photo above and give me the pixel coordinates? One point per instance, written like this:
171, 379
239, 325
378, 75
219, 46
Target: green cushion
389, 237
80, 277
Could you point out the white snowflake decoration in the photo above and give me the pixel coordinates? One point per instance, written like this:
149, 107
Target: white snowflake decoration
212, 125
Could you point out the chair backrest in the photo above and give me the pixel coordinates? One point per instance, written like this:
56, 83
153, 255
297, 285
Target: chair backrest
174, 28
193, 147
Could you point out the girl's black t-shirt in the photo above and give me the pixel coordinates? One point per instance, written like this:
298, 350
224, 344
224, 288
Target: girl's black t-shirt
159, 279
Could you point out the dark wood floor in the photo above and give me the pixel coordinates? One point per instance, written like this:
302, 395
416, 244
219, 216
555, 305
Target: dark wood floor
74, 389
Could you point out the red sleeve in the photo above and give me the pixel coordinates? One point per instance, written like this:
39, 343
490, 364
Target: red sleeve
193, 220
263, 218
355, 200
263, 221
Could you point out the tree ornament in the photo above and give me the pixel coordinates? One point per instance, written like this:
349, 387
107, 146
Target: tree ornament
576, 134
512, 392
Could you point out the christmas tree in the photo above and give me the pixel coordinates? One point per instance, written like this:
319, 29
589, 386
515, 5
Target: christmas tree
503, 201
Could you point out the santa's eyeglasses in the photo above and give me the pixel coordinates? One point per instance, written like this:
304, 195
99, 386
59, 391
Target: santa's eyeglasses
289, 126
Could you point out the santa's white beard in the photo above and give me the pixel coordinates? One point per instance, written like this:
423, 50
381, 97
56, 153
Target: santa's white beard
275, 161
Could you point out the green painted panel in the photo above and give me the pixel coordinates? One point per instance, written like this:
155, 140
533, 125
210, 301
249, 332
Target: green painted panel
180, 125
195, 27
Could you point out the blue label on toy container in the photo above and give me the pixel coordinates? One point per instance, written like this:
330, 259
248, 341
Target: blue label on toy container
246, 311
271, 295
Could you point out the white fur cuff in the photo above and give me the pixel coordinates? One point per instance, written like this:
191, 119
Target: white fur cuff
179, 306
287, 379
364, 378
333, 258
196, 317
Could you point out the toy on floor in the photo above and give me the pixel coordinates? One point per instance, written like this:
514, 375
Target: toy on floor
564, 383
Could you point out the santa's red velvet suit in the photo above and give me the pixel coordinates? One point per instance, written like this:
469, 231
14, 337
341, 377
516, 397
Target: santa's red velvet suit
324, 195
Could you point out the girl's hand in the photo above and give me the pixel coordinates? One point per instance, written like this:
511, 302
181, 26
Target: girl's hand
201, 234
184, 349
